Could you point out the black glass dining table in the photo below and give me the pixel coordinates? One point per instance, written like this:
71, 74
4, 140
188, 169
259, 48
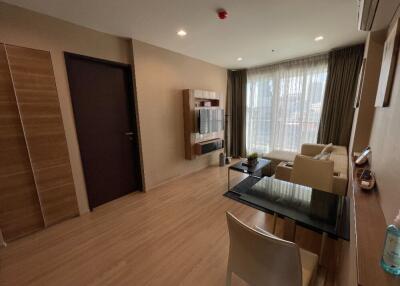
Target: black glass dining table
316, 210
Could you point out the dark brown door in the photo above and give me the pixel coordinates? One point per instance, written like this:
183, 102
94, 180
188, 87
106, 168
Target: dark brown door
102, 99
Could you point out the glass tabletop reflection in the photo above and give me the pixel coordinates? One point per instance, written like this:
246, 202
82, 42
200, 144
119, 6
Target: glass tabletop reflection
318, 210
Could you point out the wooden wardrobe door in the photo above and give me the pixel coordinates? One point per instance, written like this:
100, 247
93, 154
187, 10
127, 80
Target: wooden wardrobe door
37, 99
20, 212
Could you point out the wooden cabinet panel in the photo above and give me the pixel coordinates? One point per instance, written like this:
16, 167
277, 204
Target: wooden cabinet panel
37, 99
20, 212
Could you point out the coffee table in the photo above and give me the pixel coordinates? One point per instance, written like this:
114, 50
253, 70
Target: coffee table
254, 171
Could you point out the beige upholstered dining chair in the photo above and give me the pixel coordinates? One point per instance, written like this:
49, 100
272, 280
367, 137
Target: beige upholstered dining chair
262, 259
318, 176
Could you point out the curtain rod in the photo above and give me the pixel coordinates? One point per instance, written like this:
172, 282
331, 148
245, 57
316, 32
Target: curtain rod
298, 58
291, 60
283, 61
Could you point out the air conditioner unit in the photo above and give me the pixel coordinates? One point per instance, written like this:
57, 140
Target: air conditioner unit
375, 15
366, 14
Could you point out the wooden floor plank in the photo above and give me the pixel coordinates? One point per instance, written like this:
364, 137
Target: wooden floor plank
175, 234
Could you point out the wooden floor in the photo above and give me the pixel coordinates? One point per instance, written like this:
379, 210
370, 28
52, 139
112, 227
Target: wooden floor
175, 234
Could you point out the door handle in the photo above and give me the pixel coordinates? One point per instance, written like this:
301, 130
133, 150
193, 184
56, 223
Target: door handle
130, 135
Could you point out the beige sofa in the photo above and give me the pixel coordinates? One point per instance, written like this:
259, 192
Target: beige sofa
306, 164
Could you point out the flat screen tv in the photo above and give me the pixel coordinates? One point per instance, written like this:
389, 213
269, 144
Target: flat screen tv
210, 120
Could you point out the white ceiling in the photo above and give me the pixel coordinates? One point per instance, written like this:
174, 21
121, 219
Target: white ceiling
253, 27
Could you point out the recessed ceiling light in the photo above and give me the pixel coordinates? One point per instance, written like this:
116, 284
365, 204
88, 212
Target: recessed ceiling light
181, 33
319, 38
239, 59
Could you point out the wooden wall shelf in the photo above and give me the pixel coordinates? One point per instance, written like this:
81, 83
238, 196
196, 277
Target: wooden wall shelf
215, 143
193, 101
370, 227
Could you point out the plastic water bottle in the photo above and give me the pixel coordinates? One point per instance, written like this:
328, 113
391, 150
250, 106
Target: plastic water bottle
390, 261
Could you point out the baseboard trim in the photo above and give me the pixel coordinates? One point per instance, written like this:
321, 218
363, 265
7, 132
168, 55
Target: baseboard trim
169, 180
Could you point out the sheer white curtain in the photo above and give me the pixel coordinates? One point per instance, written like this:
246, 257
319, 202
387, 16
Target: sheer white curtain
284, 103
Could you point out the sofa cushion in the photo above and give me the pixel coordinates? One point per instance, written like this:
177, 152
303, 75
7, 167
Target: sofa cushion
311, 149
340, 164
276, 157
280, 156
339, 150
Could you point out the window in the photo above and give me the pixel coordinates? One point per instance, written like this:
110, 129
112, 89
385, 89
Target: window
284, 103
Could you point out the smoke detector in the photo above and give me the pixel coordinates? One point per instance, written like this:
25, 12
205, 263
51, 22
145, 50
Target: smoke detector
222, 14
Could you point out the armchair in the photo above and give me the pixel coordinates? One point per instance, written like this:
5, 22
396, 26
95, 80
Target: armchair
317, 173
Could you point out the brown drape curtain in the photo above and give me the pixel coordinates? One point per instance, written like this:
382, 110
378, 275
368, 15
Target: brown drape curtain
235, 131
337, 111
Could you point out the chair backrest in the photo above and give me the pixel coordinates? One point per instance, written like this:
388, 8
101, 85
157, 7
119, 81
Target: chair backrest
262, 259
317, 174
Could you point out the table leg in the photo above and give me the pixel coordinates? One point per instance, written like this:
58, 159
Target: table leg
229, 179
274, 223
2, 242
322, 249
289, 231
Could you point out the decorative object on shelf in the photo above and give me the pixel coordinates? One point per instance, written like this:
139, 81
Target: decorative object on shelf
390, 261
252, 159
228, 160
206, 103
365, 179
388, 67
363, 158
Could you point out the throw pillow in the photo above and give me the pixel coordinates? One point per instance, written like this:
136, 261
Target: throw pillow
327, 149
322, 156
